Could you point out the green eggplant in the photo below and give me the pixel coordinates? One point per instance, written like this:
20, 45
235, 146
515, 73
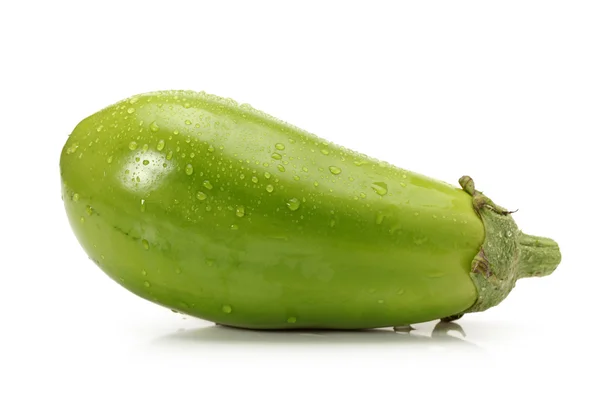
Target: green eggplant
222, 212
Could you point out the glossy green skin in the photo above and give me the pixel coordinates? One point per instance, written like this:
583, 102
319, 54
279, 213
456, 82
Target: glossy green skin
351, 255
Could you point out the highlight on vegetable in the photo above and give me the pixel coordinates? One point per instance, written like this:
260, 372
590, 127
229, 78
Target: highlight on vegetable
222, 212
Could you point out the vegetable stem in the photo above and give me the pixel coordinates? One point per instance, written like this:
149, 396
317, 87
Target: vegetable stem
538, 256
507, 254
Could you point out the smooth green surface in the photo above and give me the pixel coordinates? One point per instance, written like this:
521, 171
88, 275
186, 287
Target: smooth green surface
225, 213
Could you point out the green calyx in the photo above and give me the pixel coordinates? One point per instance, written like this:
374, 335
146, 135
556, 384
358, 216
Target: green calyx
507, 254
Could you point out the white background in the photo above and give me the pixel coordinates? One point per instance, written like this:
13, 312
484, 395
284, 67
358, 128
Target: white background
507, 92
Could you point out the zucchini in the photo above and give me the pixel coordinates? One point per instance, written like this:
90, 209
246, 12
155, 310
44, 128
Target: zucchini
222, 212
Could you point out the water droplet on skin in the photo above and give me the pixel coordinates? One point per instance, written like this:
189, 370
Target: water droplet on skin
144, 272
143, 206
304, 169
404, 176
226, 308
380, 301
379, 218
177, 270
73, 148
82, 219
280, 146
296, 178
145, 244
267, 175
133, 145
99, 128
242, 176
403, 184
269, 188
332, 223
109, 160
147, 284
325, 151
161, 145
280, 168
131, 110
400, 292
380, 187
146, 162
316, 184
189, 169
509, 234
169, 155
276, 156
293, 204
335, 170
75, 197
201, 196
240, 211
291, 320
254, 179
234, 227
89, 210
188, 122
207, 184
363, 195
211, 149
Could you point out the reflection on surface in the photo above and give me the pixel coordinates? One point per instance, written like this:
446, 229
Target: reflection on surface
441, 330
145, 170
440, 335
